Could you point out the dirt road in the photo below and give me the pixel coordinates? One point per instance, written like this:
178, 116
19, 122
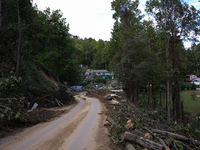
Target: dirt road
75, 130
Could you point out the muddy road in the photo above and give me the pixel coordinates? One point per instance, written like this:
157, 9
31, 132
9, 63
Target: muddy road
79, 129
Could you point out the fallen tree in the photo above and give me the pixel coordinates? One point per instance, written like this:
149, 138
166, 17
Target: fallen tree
177, 136
139, 138
143, 126
142, 141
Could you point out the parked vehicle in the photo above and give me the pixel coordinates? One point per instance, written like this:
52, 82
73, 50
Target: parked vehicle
78, 88
116, 88
75, 88
191, 77
196, 82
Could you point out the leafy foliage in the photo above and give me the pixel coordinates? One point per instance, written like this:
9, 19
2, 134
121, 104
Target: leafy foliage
46, 46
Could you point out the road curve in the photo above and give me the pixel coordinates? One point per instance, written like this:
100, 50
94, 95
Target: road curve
75, 130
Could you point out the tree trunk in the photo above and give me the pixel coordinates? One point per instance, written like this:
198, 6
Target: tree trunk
135, 95
153, 95
149, 94
176, 136
109, 119
167, 74
142, 141
1, 16
19, 41
19, 49
160, 97
177, 114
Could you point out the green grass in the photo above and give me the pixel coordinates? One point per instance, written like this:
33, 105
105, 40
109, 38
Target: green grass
189, 103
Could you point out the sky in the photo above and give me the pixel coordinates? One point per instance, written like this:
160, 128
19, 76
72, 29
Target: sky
90, 18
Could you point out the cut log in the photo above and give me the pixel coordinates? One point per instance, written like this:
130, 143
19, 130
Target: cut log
7, 98
114, 102
109, 119
115, 95
129, 124
160, 140
130, 146
124, 101
176, 136
139, 132
111, 96
142, 141
148, 136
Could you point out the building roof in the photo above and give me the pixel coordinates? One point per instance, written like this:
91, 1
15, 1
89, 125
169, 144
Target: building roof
91, 71
189, 74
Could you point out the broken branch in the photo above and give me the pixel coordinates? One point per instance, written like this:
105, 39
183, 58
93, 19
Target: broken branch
7, 98
160, 140
176, 136
59, 102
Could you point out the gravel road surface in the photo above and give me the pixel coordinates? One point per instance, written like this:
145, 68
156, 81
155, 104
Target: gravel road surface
75, 130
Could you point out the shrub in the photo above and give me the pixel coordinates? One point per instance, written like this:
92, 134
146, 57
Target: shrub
193, 86
182, 85
188, 86
193, 95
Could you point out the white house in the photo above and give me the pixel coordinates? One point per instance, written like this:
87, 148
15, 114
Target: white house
97, 72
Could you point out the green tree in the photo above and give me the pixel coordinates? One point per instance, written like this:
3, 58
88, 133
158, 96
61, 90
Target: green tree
153, 66
106, 54
98, 55
127, 38
54, 49
0, 15
177, 19
88, 52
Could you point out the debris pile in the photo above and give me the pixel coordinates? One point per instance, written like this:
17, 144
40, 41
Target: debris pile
114, 99
143, 129
150, 129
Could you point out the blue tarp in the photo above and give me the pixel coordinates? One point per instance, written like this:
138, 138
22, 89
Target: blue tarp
198, 79
107, 74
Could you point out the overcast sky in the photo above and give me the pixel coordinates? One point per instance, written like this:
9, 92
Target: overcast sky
89, 18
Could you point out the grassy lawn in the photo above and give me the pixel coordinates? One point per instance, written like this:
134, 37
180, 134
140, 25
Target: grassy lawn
189, 103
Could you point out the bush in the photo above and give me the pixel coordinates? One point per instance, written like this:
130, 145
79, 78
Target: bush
182, 86
99, 79
193, 95
193, 86
188, 86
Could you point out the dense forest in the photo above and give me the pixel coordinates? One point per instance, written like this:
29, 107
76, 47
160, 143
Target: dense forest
145, 55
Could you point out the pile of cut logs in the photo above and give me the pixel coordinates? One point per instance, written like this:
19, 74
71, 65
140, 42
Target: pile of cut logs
147, 136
